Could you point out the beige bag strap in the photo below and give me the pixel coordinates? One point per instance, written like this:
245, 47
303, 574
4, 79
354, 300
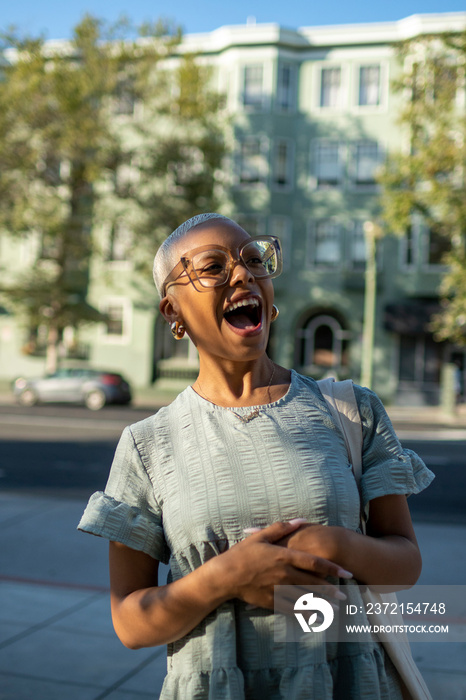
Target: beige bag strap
344, 409
343, 406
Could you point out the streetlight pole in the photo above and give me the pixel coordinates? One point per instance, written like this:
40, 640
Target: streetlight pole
370, 287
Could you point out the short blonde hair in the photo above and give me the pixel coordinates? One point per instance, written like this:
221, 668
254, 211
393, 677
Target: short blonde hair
166, 257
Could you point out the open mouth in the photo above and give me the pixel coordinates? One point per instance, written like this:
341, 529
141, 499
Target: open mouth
245, 314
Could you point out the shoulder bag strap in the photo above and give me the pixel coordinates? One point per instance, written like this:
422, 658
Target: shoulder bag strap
344, 409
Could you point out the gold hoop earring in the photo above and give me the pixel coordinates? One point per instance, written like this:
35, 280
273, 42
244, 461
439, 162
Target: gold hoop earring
178, 330
275, 313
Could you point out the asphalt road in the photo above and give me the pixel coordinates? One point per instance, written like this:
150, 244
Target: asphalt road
62, 450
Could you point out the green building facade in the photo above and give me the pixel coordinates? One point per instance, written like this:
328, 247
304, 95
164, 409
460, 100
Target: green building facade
313, 116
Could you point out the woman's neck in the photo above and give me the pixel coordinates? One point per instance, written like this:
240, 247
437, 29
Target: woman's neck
249, 383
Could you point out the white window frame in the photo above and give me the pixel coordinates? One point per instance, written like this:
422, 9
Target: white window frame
288, 105
383, 85
369, 185
317, 182
289, 165
339, 103
127, 320
312, 244
263, 144
306, 334
317, 91
259, 104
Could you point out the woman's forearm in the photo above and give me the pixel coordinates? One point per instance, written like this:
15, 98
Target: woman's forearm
390, 560
161, 614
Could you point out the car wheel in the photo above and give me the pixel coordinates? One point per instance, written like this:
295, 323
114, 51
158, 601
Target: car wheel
28, 397
95, 400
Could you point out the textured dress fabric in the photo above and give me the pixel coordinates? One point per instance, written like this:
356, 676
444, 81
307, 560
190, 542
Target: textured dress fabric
186, 482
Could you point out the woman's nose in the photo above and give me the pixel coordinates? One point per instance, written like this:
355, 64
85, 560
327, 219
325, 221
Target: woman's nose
240, 273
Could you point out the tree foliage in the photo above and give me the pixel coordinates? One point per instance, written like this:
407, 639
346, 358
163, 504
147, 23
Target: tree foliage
96, 131
427, 179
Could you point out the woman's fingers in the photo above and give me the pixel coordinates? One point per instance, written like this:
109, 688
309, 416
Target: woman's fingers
275, 532
318, 565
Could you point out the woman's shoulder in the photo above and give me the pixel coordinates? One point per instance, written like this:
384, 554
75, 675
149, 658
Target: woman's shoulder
163, 418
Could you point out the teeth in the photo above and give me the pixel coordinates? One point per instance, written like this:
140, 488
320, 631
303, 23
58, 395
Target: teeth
243, 302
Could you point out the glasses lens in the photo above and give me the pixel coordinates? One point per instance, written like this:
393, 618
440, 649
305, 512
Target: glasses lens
211, 267
261, 257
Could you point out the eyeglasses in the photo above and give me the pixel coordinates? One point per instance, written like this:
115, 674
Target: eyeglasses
211, 266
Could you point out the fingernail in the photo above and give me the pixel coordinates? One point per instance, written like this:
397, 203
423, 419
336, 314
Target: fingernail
298, 521
339, 595
251, 530
342, 573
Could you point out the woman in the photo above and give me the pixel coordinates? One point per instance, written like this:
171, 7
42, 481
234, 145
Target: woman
221, 483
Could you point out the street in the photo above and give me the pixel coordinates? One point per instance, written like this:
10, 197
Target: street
67, 451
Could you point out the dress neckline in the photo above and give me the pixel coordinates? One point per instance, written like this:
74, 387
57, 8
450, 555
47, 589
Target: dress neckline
255, 408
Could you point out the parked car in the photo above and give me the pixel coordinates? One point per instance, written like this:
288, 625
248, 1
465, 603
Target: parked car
91, 387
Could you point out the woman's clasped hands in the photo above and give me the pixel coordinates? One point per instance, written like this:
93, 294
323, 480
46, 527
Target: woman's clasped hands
267, 558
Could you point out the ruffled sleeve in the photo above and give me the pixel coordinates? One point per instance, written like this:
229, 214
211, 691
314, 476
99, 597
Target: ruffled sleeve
127, 511
387, 468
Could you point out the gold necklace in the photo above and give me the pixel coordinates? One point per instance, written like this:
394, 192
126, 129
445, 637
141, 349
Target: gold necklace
248, 416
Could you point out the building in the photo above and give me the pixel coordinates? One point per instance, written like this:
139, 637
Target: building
313, 116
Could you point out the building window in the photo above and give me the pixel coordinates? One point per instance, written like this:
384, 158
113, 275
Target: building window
119, 243
124, 99
252, 165
330, 87
282, 164
328, 164
286, 90
420, 359
369, 86
324, 243
280, 226
114, 322
253, 90
322, 343
118, 323
409, 248
366, 160
252, 224
437, 247
357, 253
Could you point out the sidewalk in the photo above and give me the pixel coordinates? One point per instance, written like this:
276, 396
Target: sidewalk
56, 636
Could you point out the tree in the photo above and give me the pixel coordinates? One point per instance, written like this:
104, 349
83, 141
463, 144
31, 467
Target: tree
168, 167
427, 179
69, 164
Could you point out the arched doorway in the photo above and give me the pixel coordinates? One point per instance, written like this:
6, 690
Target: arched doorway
322, 344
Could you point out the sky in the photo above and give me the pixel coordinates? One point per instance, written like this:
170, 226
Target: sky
56, 18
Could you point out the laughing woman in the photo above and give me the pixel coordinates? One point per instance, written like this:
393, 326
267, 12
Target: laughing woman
251, 445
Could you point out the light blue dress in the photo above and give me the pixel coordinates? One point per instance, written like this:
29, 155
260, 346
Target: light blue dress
186, 482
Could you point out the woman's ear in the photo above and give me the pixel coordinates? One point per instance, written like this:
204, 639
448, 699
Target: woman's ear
168, 310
